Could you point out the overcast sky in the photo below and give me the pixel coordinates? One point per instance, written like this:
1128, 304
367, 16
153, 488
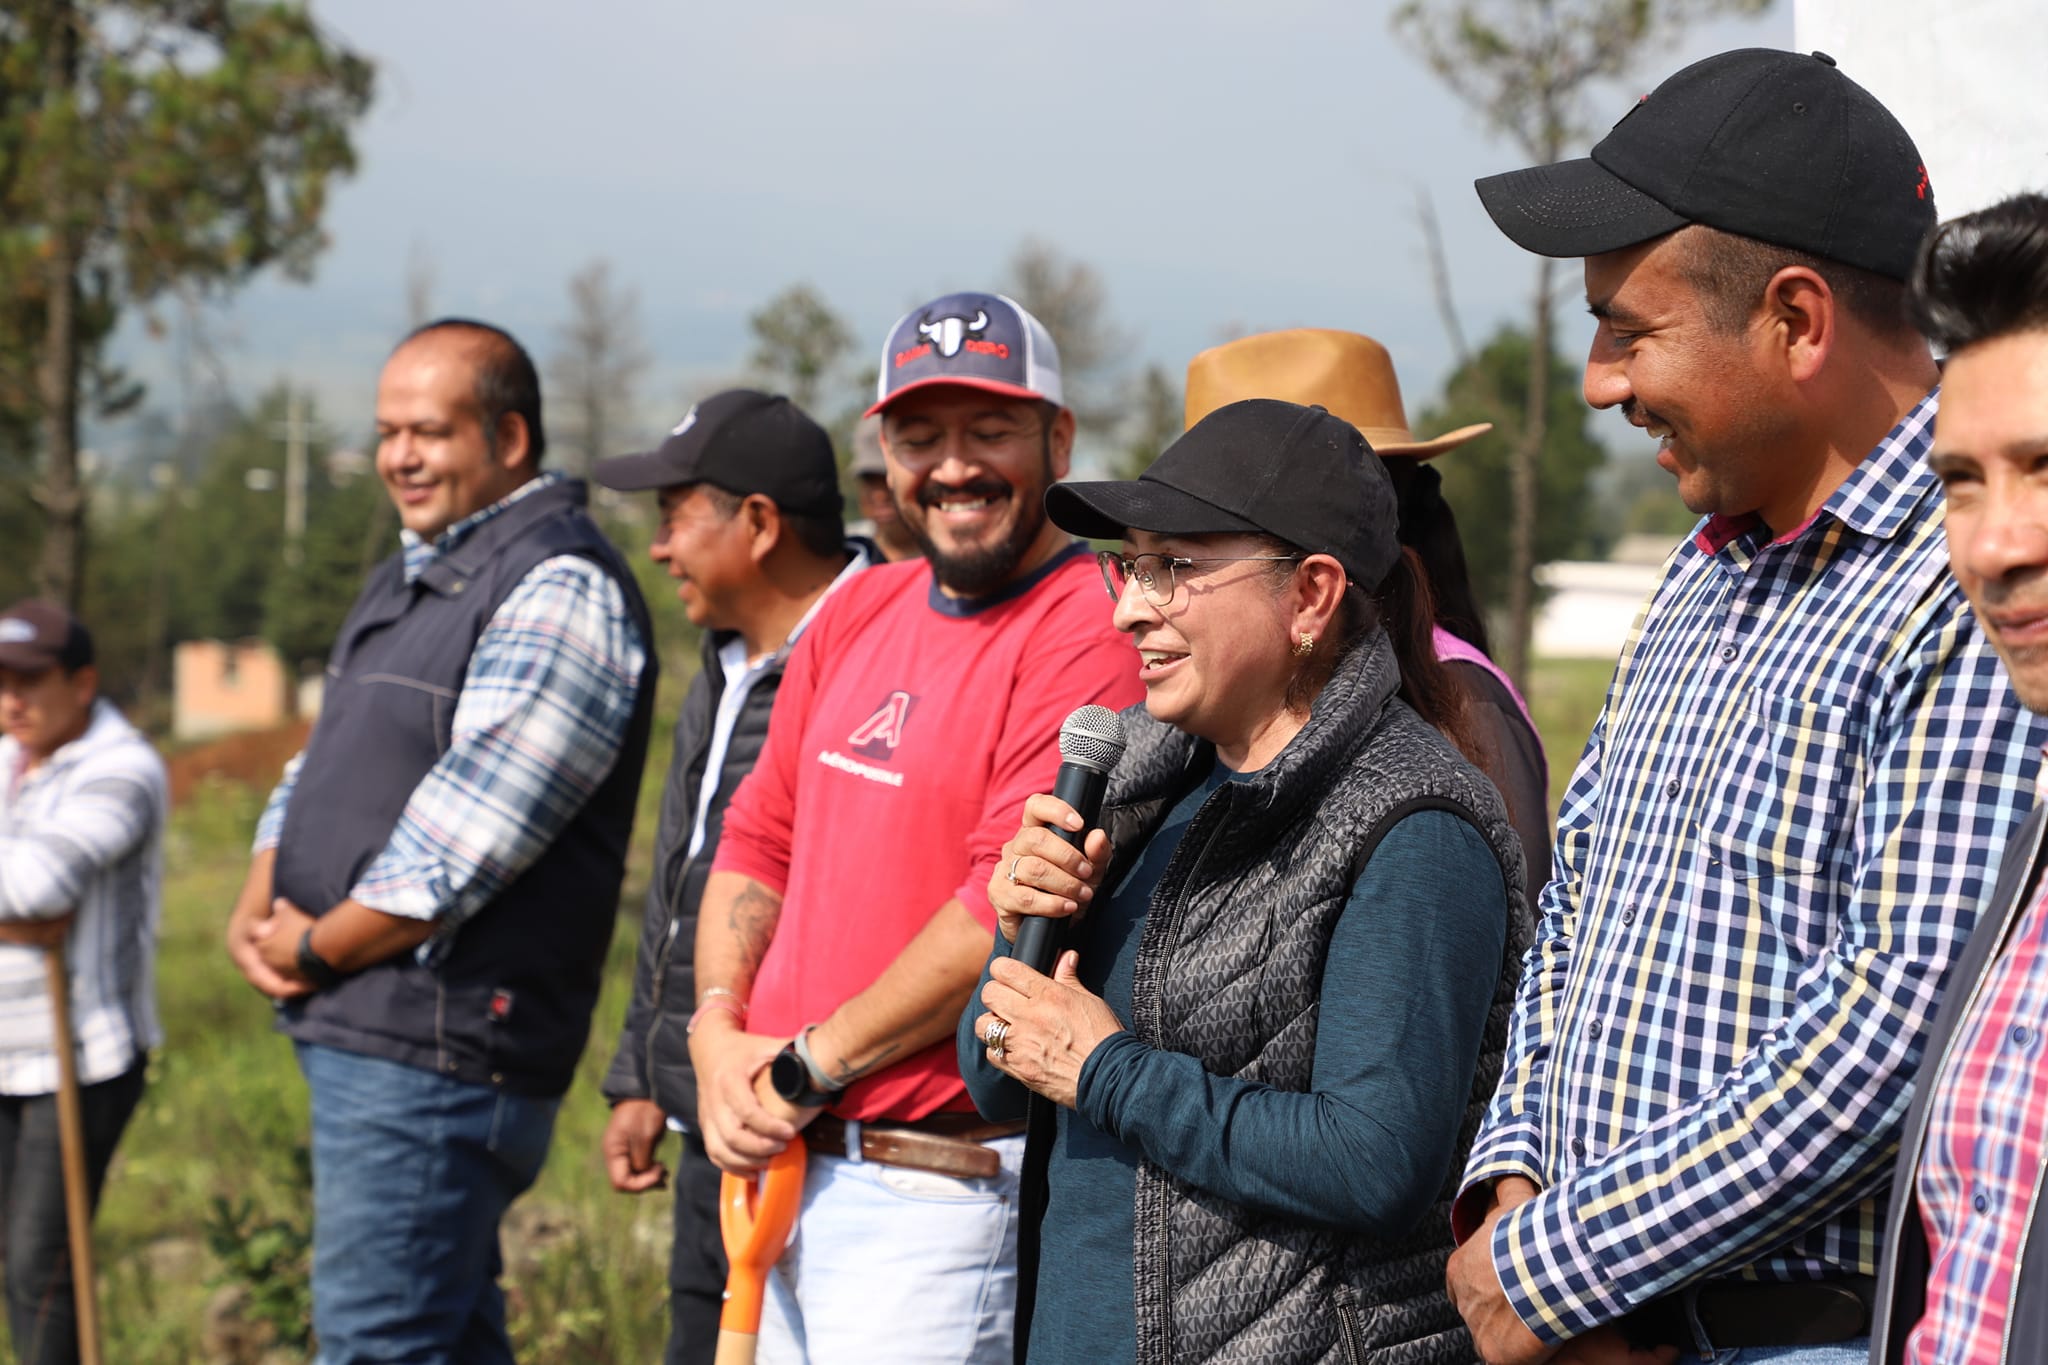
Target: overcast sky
1246, 165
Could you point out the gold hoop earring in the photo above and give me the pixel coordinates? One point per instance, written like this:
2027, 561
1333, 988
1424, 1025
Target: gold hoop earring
1305, 647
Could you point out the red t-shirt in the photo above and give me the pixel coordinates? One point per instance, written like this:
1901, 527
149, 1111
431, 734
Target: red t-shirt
906, 735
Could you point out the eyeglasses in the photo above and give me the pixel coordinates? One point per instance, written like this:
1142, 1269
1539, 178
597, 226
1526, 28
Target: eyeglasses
1155, 574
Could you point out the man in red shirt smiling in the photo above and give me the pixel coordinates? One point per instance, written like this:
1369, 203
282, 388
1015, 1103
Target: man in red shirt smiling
846, 919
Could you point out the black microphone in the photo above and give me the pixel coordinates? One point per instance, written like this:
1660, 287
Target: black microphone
1091, 742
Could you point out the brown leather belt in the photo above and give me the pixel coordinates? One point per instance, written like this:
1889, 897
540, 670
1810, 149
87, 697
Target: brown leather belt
948, 1144
1757, 1313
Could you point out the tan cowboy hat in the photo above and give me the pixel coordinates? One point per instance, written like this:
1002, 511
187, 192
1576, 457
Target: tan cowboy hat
1349, 374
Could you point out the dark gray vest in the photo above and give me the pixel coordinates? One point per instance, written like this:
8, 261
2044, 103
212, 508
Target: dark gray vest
653, 1060
1230, 970
509, 1003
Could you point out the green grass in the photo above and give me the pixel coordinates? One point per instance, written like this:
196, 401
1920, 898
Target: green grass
1565, 697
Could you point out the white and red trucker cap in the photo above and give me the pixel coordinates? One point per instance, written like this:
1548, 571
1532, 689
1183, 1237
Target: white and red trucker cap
981, 341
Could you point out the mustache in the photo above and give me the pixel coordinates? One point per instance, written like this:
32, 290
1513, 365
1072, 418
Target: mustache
2023, 592
932, 494
1635, 412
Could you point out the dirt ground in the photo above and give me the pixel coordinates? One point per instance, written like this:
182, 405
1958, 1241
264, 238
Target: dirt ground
254, 757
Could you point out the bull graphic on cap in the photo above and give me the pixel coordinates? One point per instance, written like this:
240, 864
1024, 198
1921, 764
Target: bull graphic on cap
949, 334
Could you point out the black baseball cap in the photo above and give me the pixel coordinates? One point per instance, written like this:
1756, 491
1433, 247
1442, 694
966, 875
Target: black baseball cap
743, 441
1776, 146
36, 637
1260, 465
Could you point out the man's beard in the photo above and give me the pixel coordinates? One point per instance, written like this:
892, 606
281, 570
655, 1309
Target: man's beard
980, 571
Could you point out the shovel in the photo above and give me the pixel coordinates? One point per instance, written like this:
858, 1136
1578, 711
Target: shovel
71, 1139
755, 1215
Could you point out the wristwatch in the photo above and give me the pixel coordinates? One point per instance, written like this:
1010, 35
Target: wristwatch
797, 1080
314, 967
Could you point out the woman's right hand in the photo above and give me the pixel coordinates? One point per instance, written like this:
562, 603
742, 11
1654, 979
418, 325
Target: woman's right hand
1042, 874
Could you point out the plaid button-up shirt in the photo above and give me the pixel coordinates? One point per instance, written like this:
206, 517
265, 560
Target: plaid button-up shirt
1981, 1164
1790, 808
543, 713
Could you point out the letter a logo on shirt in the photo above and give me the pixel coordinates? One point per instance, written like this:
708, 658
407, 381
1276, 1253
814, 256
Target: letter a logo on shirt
879, 734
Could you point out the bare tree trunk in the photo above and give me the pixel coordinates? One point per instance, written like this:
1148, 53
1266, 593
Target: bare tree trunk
1440, 275
590, 400
63, 500
1528, 451
601, 356
156, 668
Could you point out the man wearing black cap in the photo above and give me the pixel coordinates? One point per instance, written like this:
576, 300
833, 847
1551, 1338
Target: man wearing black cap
751, 532
847, 916
1778, 836
82, 801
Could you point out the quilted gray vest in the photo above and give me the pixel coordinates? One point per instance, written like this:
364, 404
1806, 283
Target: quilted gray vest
1229, 970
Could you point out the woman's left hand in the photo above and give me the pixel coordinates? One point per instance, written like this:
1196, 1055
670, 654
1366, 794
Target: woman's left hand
1054, 1024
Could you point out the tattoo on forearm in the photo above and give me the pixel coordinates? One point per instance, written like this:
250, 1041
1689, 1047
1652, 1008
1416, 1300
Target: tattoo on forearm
752, 921
850, 1069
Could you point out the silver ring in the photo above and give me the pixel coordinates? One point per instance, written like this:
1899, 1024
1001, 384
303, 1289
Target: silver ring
998, 1032
1013, 866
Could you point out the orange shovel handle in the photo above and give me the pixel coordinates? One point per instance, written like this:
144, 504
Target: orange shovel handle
755, 1215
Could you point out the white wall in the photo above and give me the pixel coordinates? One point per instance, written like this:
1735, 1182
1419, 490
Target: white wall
1591, 607
1966, 78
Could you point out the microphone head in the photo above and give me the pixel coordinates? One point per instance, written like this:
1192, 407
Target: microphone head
1093, 737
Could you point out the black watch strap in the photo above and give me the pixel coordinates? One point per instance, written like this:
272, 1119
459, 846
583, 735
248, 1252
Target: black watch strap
314, 967
793, 1081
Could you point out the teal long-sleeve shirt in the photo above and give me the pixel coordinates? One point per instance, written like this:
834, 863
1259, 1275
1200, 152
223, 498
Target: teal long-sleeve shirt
1413, 962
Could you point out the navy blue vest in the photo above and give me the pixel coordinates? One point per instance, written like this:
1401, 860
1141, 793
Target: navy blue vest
509, 1003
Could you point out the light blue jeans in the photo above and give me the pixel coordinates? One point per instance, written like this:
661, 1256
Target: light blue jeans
899, 1266
1855, 1352
411, 1174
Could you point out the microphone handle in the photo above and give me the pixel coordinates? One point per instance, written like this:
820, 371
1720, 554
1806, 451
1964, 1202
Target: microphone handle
1039, 938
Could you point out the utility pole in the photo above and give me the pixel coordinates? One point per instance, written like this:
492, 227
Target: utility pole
294, 432
156, 673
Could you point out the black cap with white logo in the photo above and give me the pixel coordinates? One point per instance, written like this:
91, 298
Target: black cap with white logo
742, 441
36, 637
1260, 465
1775, 146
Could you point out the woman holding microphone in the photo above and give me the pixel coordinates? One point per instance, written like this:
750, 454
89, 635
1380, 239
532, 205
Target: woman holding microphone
1253, 1073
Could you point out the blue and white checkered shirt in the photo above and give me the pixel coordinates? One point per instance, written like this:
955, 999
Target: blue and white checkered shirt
543, 713
1790, 808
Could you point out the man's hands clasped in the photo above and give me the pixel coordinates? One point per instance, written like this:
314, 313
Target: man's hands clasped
253, 935
743, 1120
37, 933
